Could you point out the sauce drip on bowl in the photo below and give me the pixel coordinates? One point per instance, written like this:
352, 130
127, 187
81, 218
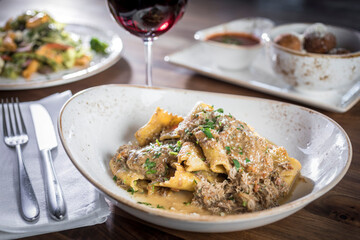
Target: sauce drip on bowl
239, 39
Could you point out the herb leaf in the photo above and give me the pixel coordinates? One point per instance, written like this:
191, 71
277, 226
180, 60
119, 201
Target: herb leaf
131, 190
237, 164
220, 110
227, 148
149, 166
207, 132
145, 203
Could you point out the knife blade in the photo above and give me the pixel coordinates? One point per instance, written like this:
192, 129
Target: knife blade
46, 139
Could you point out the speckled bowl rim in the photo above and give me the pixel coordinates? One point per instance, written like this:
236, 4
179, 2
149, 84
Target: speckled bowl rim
313, 55
282, 209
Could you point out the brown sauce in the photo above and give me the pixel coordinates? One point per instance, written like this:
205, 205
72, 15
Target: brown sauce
239, 39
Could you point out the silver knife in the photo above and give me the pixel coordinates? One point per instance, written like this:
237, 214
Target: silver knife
46, 139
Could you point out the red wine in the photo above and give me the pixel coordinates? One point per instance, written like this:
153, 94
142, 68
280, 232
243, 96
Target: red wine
147, 18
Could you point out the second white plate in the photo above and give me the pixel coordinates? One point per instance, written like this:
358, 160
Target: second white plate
260, 77
98, 63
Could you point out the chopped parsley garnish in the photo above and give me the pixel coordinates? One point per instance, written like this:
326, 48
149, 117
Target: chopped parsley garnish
241, 151
157, 155
207, 132
209, 124
187, 131
145, 203
151, 171
186, 203
189, 153
242, 126
236, 164
247, 160
115, 178
227, 149
158, 206
203, 159
176, 148
230, 115
158, 143
149, 166
173, 153
231, 198
220, 110
131, 190
98, 46
195, 181
166, 179
244, 203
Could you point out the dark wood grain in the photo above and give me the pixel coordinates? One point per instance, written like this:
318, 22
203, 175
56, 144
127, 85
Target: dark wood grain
336, 215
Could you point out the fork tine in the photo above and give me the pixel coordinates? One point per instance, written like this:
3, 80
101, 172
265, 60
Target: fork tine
17, 129
10, 118
4, 119
23, 127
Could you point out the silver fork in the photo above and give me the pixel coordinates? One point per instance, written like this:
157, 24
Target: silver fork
29, 205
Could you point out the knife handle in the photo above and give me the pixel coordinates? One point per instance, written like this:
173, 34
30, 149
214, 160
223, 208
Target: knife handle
55, 199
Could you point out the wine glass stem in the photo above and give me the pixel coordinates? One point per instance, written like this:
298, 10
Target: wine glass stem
148, 43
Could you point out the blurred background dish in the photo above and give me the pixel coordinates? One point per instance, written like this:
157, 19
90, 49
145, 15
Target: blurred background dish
315, 57
234, 45
99, 61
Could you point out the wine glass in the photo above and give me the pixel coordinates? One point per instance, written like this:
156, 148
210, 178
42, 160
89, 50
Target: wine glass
147, 19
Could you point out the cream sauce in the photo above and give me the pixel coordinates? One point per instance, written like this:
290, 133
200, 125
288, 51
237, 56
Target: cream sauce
174, 201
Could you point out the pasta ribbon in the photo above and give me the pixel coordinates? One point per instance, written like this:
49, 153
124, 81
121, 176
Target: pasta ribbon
158, 121
182, 180
289, 176
192, 157
129, 177
214, 152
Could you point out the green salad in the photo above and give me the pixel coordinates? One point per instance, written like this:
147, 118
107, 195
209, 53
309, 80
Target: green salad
35, 42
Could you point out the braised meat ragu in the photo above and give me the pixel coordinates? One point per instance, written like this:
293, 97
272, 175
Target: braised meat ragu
226, 165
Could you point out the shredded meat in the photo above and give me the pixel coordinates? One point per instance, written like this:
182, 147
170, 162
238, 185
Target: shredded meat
251, 182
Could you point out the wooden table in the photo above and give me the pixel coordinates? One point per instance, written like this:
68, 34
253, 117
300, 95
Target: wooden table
336, 215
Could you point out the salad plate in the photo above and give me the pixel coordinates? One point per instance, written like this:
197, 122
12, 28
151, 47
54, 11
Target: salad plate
260, 77
98, 63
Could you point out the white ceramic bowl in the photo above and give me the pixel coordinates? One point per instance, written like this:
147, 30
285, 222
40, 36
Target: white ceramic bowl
230, 56
310, 71
95, 122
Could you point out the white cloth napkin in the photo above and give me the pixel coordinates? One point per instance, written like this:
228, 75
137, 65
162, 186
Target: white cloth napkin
85, 206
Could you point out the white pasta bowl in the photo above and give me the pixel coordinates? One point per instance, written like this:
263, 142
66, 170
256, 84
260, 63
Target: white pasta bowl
95, 122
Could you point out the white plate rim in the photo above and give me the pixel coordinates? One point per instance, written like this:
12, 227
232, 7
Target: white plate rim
276, 211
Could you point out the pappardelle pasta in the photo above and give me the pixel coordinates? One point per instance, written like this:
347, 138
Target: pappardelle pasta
220, 163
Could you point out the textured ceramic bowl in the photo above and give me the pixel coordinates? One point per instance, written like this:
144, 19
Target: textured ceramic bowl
310, 71
234, 57
95, 122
